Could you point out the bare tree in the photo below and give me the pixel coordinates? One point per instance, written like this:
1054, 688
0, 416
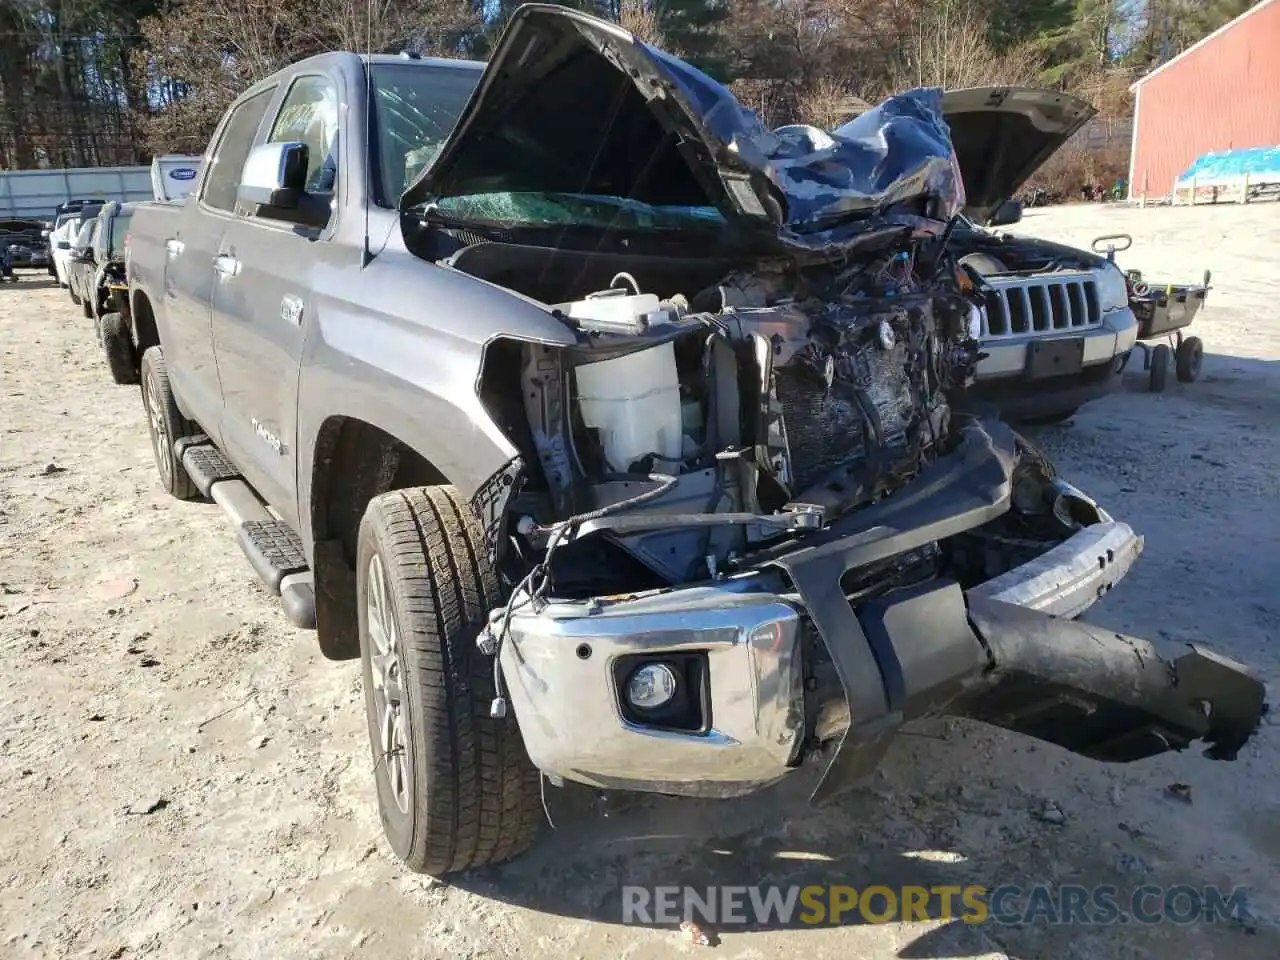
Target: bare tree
825, 104
948, 48
641, 20
202, 54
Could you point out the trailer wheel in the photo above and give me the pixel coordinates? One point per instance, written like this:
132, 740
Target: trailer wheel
1161, 359
1190, 358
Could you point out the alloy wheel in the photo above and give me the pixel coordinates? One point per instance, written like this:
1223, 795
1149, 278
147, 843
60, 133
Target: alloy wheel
388, 688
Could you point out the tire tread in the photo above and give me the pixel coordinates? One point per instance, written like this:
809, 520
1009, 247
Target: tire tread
482, 804
182, 487
117, 344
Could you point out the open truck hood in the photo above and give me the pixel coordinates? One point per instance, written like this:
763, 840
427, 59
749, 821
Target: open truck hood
570, 104
1002, 135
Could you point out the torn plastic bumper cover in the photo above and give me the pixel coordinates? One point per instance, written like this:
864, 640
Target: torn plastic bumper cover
1097, 693
926, 649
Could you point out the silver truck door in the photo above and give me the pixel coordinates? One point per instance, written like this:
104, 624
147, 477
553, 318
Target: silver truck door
189, 266
264, 300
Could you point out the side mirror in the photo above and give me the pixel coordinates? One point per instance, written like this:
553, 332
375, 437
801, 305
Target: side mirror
64, 244
274, 175
1008, 212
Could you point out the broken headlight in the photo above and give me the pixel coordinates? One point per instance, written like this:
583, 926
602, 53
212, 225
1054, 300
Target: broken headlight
1113, 288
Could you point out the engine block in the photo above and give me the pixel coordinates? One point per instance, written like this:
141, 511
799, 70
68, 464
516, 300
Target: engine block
862, 392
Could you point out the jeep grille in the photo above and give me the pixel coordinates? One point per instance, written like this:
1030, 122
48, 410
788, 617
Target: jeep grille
1022, 305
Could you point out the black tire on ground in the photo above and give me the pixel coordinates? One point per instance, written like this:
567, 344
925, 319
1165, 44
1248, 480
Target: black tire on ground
71, 292
165, 424
1048, 419
53, 271
87, 309
117, 344
1190, 358
1161, 360
456, 789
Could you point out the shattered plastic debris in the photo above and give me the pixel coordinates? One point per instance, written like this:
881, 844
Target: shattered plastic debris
1179, 791
693, 933
115, 589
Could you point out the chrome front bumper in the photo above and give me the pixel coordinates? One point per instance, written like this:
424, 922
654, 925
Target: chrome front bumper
559, 667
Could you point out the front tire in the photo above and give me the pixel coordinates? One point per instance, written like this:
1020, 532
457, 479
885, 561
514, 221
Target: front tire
456, 789
166, 425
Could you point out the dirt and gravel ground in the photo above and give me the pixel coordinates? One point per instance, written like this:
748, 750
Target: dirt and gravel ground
184, 776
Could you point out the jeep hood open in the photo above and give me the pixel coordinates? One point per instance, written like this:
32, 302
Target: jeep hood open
1002, 135
570, 104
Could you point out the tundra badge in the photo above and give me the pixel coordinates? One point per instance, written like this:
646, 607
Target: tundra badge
265, 434
291, 310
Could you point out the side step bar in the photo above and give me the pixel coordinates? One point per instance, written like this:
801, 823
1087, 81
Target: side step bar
273, 548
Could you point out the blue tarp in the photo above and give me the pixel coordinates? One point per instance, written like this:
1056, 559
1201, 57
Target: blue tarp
1260, 163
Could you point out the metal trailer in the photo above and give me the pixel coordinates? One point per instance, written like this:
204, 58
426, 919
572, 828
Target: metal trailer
36, 193
1162, 311
173, 175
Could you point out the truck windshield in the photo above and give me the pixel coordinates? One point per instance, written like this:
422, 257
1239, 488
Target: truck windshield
417, 105
416, 108
574, 210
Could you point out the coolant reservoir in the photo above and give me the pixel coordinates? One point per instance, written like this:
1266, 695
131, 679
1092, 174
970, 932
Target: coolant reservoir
634, 401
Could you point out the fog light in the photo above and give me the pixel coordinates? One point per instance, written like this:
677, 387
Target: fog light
651, 686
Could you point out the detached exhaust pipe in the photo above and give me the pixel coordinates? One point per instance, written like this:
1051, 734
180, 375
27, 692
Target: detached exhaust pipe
1102, 694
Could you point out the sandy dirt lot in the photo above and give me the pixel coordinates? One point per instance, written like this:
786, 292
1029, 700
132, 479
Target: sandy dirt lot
184, 776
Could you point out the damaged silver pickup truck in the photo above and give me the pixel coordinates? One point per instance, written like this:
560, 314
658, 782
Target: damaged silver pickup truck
632, 446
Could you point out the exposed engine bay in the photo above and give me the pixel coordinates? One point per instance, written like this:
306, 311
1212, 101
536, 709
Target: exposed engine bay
692, 431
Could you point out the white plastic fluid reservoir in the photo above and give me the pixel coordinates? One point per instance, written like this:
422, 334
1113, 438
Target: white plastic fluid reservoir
613, 308
634, 401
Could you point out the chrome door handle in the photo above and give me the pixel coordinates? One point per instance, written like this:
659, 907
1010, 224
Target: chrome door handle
225, 265
173, 247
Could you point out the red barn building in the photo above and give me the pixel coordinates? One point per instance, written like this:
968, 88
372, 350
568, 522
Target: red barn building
1223, 93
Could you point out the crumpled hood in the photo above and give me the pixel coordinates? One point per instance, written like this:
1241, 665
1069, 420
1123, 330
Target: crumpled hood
1002, 135
573, 104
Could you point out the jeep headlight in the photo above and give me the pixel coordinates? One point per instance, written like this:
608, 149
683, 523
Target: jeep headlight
1113, 289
